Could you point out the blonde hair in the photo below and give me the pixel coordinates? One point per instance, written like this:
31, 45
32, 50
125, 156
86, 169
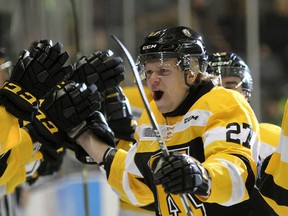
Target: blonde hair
202, 76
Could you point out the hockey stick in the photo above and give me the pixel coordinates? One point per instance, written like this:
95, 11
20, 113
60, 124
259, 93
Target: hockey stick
153, 121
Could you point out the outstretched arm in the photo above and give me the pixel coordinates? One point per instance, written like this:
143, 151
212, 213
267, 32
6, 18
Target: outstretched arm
92, 145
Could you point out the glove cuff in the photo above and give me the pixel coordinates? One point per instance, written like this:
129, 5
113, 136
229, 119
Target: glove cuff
18, 101
107, 160
204, 188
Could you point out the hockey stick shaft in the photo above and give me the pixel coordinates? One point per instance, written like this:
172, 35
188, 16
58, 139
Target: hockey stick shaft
153, 121
155, 126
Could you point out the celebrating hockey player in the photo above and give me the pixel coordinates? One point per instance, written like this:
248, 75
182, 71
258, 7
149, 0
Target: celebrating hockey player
208, 130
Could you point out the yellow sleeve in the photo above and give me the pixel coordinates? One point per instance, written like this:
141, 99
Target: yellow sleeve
274, 184
124, 144
22, 154
228, 150
141, 190
9, 131
269, 139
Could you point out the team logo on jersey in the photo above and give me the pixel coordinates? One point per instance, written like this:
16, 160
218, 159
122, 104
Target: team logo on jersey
149, 132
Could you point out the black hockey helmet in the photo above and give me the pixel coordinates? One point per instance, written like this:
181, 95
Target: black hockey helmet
230, 64
180, 42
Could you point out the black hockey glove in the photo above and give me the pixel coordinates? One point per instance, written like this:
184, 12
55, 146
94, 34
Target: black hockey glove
61, 111
52, 160
119, 114
33, 76
181, 174
98, 125
100, 69
50, 164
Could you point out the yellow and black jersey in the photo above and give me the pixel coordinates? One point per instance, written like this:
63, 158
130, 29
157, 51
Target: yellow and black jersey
214, 125
273, 183
9, 131
269, 139
17, 152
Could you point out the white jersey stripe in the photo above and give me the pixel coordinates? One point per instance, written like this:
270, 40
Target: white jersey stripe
283, 148
238, 185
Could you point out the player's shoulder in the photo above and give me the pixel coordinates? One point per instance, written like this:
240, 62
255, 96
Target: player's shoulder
220, 99
269, 134
220, 92
268, 127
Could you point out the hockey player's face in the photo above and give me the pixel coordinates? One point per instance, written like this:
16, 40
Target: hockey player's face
235, 83
165, 80
232, 82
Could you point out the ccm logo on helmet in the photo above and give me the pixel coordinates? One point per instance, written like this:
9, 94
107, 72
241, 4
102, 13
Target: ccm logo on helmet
149, 46
223, 63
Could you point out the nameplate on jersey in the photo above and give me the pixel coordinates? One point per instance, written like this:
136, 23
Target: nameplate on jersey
146, 132
193, 118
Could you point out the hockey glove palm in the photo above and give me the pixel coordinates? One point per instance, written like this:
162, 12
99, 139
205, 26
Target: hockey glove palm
180, 173
100, 69
33, 76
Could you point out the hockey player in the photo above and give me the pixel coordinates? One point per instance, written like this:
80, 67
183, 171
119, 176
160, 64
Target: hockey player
234, 74
273, 177
9, 204
209, 140
44, 64
33, 76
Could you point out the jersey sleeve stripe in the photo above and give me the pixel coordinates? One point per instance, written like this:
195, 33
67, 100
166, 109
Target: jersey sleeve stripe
238, 185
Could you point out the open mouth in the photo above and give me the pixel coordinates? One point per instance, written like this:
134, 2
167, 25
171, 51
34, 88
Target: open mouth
157, 95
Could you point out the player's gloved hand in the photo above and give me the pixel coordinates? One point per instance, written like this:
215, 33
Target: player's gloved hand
52, 160
180, 173
100, 69
33, 76
119, 114
62, 110
50, 164
98, 125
